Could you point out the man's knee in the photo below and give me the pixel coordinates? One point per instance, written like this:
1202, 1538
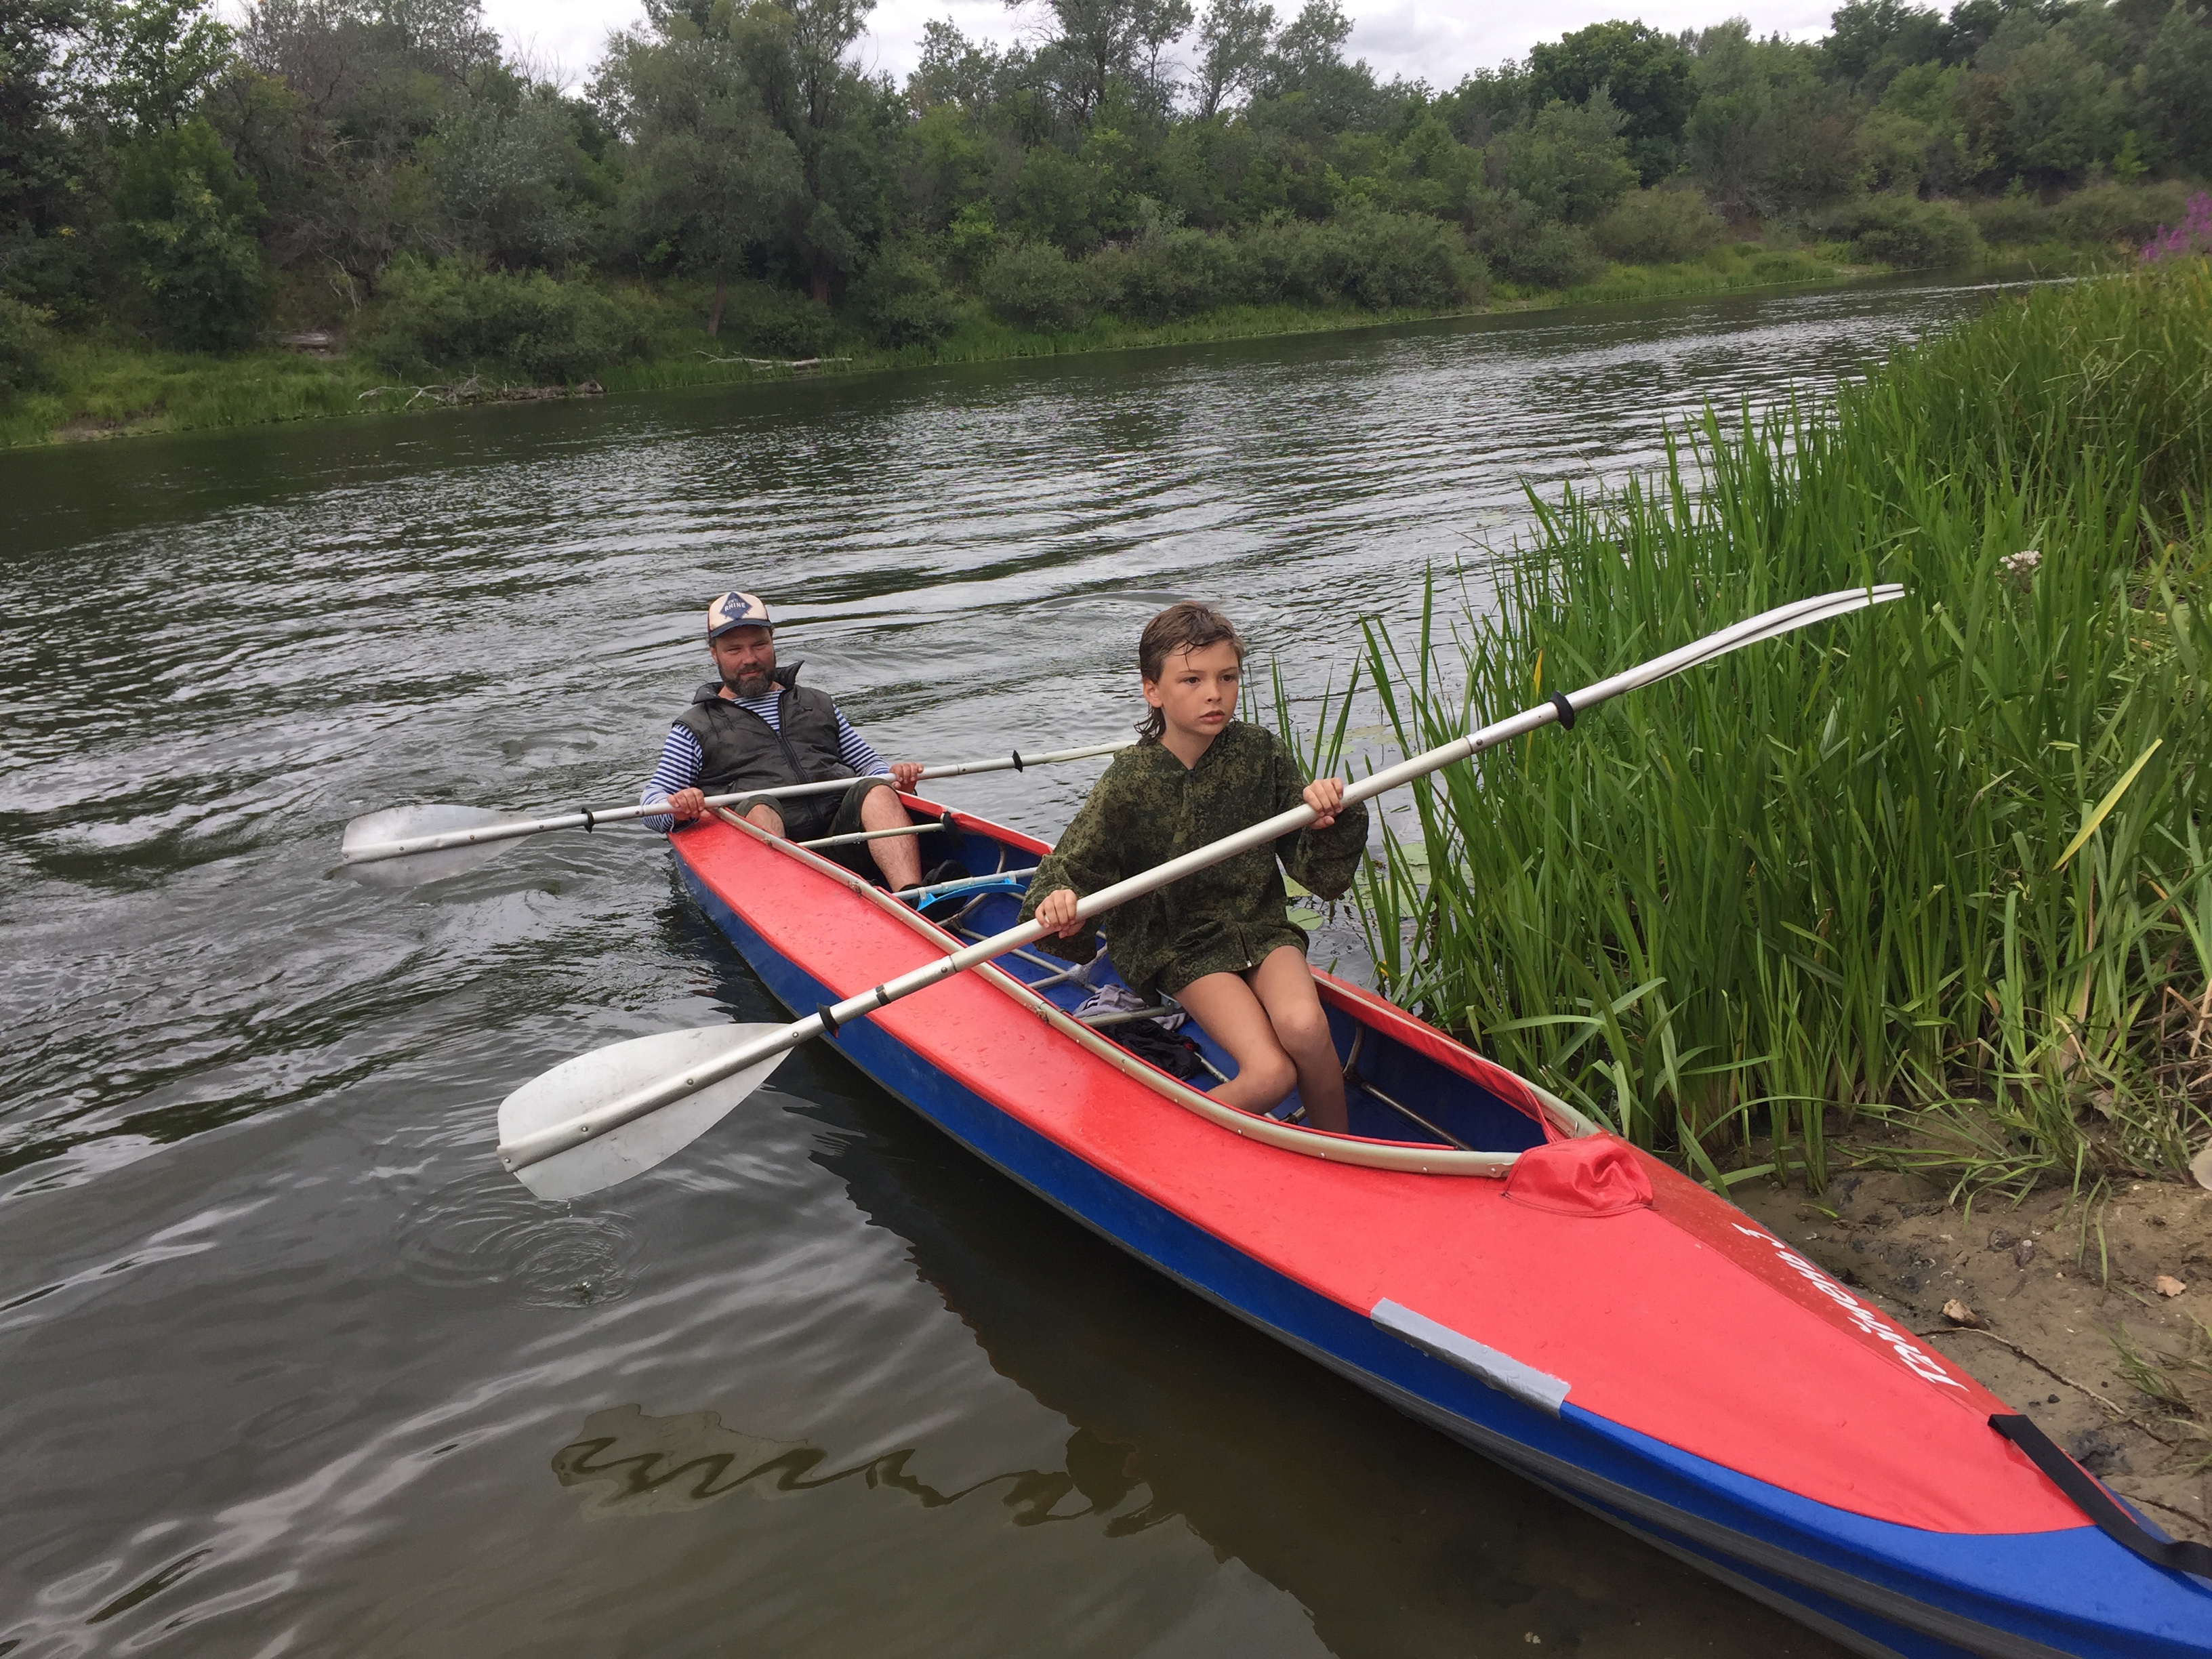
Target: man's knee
761, 816
876, 803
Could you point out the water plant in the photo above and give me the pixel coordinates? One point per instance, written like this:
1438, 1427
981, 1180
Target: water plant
1944, 865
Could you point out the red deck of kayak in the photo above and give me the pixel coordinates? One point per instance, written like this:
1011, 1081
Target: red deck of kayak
1683, 1322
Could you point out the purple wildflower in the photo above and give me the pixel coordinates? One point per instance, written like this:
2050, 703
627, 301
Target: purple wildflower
2192, 235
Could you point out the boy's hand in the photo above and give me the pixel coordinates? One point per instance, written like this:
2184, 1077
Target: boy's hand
1057, 913
906, 774
1326, 797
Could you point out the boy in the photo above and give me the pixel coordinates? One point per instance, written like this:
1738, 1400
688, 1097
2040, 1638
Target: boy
1217, 941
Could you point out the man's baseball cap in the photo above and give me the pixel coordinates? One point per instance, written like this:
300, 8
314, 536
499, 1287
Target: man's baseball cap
736, 610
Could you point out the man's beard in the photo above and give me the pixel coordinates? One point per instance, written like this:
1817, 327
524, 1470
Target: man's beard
756, 685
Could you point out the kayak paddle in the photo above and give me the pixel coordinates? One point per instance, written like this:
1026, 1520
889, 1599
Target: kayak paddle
605, 1116
403, 845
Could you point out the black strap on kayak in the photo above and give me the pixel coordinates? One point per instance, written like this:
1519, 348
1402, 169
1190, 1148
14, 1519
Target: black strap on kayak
1566, 711
945, 822
2177, 1555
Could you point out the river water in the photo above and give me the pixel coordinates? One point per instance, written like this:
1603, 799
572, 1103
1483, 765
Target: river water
287, 1365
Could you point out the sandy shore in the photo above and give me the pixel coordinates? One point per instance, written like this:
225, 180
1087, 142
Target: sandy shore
2077, 1329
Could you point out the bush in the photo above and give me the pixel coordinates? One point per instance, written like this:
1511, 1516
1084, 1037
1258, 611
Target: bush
1548, 254
1896, 230
1294, 261
775, 322
429, 319
2014, 219
1658, 227
1166, 275
188, 218
24, 343
899, 299
1033, 284
2117, 213
1399, 259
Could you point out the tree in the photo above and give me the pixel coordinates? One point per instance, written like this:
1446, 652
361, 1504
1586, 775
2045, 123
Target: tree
33, 144
1571, 162
1872, 40
2172, 85
1235, 38
157, 59
795, 52
188, 217
1647, 73
710, 176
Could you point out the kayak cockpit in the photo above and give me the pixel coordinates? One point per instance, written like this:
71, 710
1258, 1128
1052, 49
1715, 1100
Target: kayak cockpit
1393, 1093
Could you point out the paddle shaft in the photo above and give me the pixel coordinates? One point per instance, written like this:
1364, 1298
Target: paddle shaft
591, 818
560, 1137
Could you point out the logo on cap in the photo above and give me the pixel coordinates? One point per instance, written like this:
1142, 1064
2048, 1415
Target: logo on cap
736, 610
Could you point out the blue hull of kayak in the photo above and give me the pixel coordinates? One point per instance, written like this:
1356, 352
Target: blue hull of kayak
1876, 1587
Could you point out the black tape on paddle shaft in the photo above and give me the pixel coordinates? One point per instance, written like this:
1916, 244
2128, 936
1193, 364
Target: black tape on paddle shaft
590, 823
1018, 760
2177, 1555
1566, 710
823, 1012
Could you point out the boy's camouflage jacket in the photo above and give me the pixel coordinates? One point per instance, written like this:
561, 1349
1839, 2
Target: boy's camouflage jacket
1150, 808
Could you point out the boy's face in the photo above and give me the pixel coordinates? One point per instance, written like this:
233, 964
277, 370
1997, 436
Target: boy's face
1196, 691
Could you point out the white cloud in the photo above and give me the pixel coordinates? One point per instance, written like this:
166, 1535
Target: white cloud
1420, 39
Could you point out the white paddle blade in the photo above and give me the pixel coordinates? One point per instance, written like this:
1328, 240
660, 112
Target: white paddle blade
394, 824
576, 1086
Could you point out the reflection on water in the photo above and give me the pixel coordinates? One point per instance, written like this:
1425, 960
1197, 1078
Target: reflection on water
283, 1356
657, 1465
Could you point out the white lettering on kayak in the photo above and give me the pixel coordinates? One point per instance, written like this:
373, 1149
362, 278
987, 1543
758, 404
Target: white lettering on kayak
1859, 1313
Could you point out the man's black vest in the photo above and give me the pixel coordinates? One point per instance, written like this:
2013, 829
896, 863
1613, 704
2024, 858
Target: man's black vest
745, 753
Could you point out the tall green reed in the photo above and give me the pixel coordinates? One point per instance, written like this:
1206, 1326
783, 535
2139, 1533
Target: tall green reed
1838, 870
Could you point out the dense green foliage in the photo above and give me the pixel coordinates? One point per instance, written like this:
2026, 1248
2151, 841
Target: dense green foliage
165, 177
1945, 855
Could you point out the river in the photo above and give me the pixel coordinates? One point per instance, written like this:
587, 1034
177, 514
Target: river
287, 1365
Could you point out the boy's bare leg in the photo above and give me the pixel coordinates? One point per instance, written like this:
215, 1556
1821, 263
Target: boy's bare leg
1285, 987
899, 857
1233, 1016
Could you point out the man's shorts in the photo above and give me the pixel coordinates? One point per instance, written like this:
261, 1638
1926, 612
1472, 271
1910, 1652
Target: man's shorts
810, 818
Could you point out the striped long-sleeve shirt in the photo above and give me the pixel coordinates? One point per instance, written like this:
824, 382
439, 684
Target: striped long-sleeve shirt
682, 759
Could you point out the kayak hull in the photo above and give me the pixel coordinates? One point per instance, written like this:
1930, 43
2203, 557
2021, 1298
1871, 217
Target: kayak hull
1875, 1585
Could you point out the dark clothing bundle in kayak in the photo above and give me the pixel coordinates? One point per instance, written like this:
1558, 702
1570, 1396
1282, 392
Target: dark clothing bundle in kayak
1148, 808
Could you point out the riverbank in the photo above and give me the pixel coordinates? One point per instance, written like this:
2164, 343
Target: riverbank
1940, 870
107, 388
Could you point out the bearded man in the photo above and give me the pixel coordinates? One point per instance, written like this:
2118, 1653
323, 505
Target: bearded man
755, 727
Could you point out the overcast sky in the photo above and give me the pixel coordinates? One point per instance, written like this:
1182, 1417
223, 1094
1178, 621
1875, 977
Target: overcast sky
1417, 39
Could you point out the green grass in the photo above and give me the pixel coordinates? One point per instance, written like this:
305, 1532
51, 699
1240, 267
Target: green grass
1942, 862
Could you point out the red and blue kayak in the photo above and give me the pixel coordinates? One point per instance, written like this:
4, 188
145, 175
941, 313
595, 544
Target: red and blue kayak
1492, 1264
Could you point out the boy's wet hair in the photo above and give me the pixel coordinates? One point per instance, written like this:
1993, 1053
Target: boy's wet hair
1186, 625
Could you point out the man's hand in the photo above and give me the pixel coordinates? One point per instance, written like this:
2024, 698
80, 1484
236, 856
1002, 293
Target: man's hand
1057, 913
906, 774
686, 805
1326, 797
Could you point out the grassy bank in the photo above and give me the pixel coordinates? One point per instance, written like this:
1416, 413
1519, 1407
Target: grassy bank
95, 388
1943, 860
